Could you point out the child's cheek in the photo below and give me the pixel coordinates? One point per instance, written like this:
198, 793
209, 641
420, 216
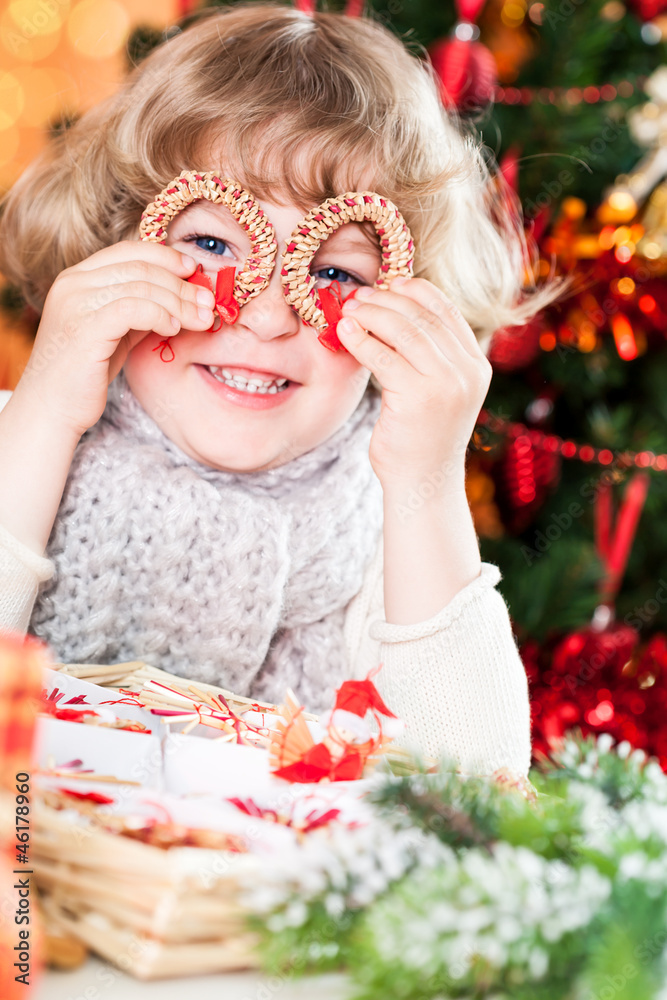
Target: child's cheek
346, 373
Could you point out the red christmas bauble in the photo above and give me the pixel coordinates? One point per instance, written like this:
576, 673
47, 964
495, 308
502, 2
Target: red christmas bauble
467, 72
647, 9
591, 651
514, 347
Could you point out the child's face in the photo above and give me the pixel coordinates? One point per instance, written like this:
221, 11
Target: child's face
234, 430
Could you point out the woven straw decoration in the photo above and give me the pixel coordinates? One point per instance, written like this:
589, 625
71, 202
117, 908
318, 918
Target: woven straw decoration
396, 244
192, 185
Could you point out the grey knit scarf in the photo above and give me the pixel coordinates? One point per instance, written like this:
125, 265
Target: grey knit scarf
239, 579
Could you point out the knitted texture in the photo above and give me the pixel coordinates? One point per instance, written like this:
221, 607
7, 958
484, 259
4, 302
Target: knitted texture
458, 682
240, 579
456, 679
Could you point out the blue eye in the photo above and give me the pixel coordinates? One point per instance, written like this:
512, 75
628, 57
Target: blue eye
337, 274
207, 243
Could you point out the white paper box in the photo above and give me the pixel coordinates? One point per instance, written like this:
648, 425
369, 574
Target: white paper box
125, 755
201, 767
95, 694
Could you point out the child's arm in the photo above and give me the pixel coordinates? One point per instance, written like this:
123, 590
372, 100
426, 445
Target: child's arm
430, 551
451, 666
434, 379
35, 455
94, 314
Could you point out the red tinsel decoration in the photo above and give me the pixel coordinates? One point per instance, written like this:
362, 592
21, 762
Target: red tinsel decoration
598, 678
509, 167
605, 683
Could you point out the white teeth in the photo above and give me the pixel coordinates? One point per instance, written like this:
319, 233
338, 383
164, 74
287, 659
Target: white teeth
243, 381
247, 385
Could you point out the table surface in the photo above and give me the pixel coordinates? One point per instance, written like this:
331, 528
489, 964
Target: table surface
97, 980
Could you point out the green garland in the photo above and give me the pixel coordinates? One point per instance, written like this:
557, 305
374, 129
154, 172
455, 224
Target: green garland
461, 888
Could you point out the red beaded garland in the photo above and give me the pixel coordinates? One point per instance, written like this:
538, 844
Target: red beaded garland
569, 449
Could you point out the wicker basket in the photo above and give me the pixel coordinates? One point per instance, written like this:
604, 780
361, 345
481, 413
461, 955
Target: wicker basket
154, 913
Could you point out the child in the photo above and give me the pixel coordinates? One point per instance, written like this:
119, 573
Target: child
149, 511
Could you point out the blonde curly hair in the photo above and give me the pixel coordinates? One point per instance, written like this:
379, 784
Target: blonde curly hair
301, 104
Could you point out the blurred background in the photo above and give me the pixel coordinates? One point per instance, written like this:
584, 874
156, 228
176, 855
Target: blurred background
567, 469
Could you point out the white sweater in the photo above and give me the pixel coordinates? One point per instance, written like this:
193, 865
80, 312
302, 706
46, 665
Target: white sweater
456, 679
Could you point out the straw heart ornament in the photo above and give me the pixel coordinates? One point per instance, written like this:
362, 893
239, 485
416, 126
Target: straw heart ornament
319, 308
322, 308
232, 288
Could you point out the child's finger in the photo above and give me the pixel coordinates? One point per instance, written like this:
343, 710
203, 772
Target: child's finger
147, 273
389, 368
114, 319
190, 313
435, 302
139, 250
398, 325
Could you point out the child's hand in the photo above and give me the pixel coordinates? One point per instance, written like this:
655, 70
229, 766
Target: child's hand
434, 378
96, 312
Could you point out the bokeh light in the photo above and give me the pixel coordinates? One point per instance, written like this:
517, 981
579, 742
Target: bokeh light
11, 100
36, 17
58, 58
22, 38
98, 28
46, 93
10, 139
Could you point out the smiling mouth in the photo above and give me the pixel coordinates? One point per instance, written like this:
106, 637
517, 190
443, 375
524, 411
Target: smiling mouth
255, 383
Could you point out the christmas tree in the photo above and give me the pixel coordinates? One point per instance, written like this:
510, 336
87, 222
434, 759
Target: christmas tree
566, 468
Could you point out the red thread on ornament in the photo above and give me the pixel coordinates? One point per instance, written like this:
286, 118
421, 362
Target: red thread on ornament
161, 347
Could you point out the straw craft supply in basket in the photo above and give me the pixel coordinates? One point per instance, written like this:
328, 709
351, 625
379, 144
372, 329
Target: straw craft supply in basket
319, 308
157, 911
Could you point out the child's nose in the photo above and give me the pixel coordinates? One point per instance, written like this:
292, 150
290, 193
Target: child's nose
269, 314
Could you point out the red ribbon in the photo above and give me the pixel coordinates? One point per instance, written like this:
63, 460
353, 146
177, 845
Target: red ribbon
226, 305
96, 797
331, 302
613, 539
